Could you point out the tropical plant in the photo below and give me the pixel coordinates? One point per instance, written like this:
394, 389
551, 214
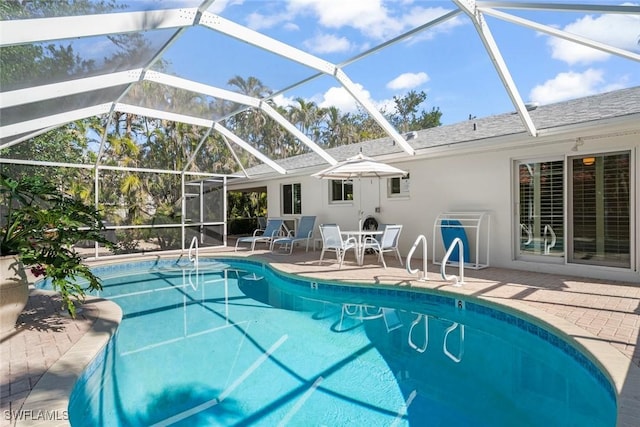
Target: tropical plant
41, 226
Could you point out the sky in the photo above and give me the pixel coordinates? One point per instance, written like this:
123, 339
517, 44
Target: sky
448, 62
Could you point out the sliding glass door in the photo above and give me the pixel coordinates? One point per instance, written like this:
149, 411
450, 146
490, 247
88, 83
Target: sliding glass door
600, 210
598, 206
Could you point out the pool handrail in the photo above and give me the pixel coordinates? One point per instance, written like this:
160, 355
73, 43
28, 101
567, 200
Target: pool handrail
413, 345
194, 243
457, 281
446, 351
547, 246
425, 258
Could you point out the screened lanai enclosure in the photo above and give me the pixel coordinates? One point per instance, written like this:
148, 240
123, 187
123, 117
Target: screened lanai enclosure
149, 109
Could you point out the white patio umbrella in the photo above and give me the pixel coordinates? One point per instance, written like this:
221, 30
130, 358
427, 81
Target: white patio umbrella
360, 166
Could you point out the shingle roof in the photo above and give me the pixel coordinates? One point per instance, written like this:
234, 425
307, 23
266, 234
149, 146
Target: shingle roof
616, 104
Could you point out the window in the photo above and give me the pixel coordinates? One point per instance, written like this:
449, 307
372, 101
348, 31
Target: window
340, 190
541, 208
601, 210
398, 187
291, 199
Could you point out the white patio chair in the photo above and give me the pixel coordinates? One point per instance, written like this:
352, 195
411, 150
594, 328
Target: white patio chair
387, 242
270, 232
303, 232
332, 240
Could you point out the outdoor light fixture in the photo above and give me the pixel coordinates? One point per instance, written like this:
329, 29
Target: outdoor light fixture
578, 143
588, 161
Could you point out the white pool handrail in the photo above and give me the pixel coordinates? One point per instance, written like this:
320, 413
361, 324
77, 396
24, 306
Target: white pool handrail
547, 247
425, 258
456, 358
194, 244
422, 348
457, 281
527, 230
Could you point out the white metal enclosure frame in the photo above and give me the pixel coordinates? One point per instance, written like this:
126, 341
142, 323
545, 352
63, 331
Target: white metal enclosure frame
24, 31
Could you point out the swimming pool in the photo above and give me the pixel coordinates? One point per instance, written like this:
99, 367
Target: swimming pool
237, 343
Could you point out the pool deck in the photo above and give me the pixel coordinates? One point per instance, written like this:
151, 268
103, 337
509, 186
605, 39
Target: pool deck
43, 357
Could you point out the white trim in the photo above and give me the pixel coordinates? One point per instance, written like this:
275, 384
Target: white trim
373, 111
559, 6
562, 34
180, 83
69, 87
165, 115
501, 67
224, 26
240, 99
21, 31
297, 133
53, 120
254, 38
239, 141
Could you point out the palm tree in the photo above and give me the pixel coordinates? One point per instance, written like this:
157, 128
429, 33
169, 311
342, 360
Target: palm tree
307, 117
252, 86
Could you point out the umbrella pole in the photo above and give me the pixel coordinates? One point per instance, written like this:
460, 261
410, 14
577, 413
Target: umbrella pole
360, 204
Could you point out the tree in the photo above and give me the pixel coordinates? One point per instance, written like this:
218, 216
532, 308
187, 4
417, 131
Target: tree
407, 116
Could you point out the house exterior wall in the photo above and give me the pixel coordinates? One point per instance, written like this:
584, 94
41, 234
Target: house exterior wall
479, 177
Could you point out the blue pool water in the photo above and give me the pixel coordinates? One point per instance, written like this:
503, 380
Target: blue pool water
237, 343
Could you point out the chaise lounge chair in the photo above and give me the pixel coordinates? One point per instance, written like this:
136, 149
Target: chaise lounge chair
270, 232
303, 232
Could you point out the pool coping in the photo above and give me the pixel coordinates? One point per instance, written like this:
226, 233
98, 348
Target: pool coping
623, 373
47, 403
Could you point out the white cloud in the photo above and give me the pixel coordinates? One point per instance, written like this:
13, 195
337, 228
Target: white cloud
620, 31
418, 16
569, 85
259, 21
290, 26
408, 81
338, 97
284, 101
373, 18
327, 43
368, 16
220, 5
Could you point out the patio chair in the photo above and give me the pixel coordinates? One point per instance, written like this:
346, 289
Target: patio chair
332, 240
304, 232
378, 237
270, 232
387, 242
262, 222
